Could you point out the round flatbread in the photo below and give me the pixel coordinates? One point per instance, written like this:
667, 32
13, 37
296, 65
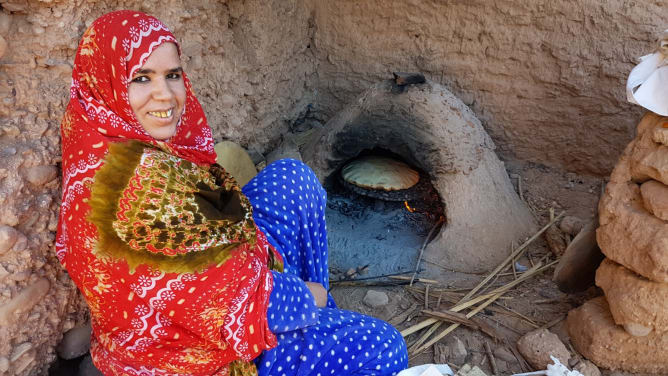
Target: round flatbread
375, 172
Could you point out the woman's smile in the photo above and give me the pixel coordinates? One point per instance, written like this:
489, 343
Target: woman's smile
162, 114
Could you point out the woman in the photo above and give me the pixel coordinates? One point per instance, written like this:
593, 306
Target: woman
183, 273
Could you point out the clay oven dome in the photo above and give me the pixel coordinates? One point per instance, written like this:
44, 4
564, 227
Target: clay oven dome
431, 129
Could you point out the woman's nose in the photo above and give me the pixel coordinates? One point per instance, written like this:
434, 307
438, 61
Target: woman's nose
161, 90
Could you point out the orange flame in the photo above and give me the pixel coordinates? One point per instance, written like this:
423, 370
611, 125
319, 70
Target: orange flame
408, 207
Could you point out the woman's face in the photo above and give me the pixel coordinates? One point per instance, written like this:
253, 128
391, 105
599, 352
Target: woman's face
157, 92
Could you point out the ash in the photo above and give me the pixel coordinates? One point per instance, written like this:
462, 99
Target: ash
366, 231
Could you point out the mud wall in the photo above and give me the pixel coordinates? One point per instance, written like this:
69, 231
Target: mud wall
545, 77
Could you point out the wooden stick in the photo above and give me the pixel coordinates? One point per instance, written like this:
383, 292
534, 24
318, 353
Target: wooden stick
426, 297
452, 317
438, 302
510, 258
424, 245
492, 361
519, 186
407, 278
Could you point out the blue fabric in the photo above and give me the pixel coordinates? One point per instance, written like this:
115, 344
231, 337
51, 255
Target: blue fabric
289, 207
291, 304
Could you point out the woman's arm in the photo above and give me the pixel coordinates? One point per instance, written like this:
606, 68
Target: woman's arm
292, 305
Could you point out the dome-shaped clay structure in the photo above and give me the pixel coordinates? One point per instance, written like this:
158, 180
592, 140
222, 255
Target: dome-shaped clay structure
429, 128
376, 172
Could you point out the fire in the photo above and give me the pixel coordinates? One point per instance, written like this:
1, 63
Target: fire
408, 207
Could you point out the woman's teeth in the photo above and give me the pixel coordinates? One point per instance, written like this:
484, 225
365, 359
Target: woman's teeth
161, 114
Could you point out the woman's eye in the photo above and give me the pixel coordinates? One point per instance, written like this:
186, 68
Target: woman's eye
140, 79
174, 76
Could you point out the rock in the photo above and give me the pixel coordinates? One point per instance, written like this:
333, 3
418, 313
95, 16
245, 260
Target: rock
649, 160
538, 345
587, 368
629, 234
633, 300
655, 198
595, 335
4, 364
8, 237
455, 350
571, 225
227, 101
637, 330
505, 354
23, 362
75, 342
556, 240
660, 135
375, 298
14, 6
24, 301
39, 175
5, 23
577, 268
3, 46
236, 161
467, 370
19, 350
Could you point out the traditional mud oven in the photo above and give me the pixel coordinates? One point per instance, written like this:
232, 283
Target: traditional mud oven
428, 128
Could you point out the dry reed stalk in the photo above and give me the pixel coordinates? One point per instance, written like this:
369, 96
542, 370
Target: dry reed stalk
424, 245
492, 361
425, 336
515, 254
414, 328
512, 262
490, 299
459, 318
519, 315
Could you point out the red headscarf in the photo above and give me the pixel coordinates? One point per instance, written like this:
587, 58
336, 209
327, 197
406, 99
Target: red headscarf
147, 321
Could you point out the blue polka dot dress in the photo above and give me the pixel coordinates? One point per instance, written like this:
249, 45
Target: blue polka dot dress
289, 207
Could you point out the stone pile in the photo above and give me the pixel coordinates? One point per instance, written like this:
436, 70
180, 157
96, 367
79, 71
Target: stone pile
628, 328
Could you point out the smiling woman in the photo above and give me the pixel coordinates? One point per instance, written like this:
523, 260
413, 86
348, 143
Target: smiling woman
157, 92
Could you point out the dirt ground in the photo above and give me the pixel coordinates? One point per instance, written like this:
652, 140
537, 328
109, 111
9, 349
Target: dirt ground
533, 304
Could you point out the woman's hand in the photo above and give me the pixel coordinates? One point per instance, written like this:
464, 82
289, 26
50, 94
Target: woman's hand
319, 293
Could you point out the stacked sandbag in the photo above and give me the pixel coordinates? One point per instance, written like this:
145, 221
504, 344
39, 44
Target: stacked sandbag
628, 328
